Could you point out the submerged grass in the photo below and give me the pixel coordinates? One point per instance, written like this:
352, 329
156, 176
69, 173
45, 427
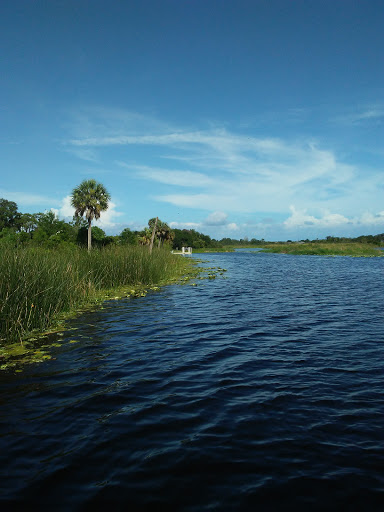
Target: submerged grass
39, 287
326, 249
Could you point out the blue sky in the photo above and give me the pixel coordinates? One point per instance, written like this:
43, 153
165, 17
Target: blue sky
258, 118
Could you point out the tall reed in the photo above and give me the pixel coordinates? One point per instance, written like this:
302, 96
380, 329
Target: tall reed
38, 285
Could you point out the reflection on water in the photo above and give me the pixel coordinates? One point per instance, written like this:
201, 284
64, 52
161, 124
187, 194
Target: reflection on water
261, 391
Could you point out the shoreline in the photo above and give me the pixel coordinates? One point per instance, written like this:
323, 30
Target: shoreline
39, 298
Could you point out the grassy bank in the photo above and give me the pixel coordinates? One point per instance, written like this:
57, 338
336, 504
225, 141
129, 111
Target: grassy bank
38, 287
326, 249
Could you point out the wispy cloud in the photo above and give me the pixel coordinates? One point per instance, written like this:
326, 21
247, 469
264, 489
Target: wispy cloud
23, 198
361, 115
170, 177
96, 121
300, 218
185, 225
87, 154
218, 170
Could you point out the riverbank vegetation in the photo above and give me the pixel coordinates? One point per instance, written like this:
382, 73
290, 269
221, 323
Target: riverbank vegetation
45, 272
325, 248
39, 286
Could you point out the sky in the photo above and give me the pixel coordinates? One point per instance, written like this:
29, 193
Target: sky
237, 118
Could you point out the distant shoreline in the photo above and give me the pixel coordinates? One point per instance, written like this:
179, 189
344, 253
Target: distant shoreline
355, 249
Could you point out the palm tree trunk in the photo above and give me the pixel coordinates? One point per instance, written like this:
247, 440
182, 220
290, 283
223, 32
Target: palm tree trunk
89, 235
153, 236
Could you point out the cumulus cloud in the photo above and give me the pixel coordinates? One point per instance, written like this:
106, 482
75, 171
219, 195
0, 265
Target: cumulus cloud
216, 219
300, 218
107, 219
372, 219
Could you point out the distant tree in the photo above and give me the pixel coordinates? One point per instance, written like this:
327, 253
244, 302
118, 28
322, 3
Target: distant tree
8, 213
128, 237
160, 231
49, 222
192, 238
99, 238
90, 198
51, 231
145, 236
164, 233
98, 235
27, 223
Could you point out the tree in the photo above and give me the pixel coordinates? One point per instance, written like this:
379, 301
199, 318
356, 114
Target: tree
8, 213
128, 237
51, 231
145, 236
27, 223
164, 233
153, 226
90, 198
161, 231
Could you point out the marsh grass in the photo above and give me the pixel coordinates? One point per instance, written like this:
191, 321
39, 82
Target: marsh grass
326, 249
38, 286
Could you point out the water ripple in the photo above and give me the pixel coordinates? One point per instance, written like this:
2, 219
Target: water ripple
261, 391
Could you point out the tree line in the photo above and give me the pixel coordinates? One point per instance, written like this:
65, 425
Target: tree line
89, 199
48, 230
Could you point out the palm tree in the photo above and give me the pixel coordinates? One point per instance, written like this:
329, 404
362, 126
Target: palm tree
90, 199
145, 237
161, 231
154, 232
164, 233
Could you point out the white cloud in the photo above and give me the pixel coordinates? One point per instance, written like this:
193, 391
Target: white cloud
107, 218
369, 113
221, 170
22, 198
216, 219
371, 219
66, 209
185, 225
300, 218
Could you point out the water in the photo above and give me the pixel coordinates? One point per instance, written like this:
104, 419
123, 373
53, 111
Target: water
262, 391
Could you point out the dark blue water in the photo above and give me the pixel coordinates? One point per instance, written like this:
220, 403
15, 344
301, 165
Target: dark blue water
262, 391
